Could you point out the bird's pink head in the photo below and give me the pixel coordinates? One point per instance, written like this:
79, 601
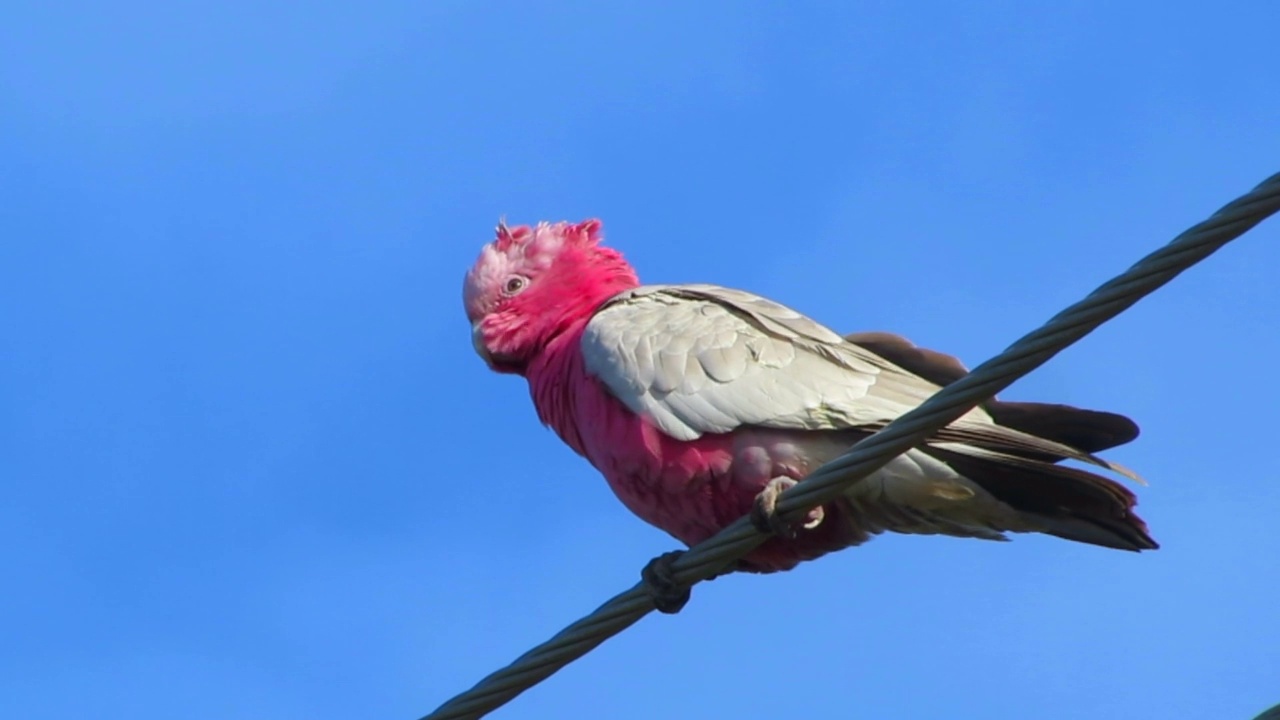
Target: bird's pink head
531, 284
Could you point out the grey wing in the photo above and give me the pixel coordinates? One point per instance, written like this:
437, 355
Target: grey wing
699, 359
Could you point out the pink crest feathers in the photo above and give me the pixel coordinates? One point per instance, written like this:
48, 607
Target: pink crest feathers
545, 239
552, 259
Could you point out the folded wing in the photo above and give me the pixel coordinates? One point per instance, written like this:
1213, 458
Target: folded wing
702, 359
699, 359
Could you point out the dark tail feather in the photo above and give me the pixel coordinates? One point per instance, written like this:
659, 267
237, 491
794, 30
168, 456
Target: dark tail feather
1065, 501
1087, 430
1068, 502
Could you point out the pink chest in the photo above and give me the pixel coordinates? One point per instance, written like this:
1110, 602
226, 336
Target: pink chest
688, 488
691, 489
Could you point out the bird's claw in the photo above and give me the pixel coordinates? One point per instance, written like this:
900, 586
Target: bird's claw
764, 513
668, 596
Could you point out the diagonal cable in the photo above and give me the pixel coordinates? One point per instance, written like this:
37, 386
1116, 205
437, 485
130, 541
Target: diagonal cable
714, 555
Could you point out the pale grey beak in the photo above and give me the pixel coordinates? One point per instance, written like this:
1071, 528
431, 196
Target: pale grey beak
477, 342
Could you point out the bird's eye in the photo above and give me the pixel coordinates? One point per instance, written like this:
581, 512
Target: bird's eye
515, 284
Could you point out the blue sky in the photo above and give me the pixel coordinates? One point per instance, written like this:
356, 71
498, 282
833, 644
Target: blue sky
252, 469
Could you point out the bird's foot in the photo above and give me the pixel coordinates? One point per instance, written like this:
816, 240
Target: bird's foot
764, 514
668, 596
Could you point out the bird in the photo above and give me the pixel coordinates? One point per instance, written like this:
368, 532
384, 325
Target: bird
700, 404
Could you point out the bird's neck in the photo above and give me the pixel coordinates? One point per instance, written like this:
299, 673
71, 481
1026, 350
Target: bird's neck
554, 376
557, 373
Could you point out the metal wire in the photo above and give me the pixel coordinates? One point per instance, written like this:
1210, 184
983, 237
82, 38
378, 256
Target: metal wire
710, 557
1270, 714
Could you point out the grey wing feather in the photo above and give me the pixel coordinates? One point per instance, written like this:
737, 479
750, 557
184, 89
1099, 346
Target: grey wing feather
699, 359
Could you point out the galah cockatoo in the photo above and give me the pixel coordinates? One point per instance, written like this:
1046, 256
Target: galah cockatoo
700, 404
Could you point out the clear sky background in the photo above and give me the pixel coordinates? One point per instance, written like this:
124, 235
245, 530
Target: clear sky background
251, 467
